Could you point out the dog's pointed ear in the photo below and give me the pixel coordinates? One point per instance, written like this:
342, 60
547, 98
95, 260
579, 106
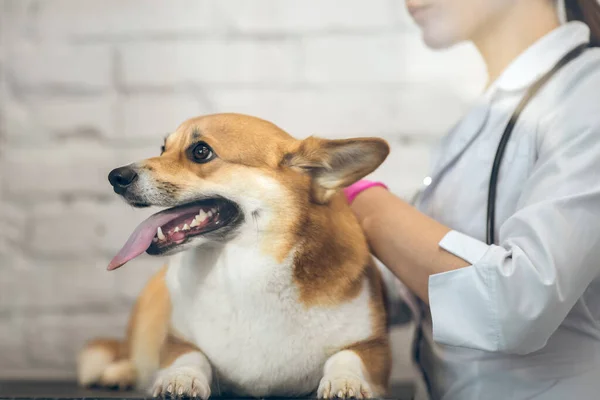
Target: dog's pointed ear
335, 164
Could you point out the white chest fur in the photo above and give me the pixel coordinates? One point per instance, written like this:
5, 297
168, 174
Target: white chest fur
241, 309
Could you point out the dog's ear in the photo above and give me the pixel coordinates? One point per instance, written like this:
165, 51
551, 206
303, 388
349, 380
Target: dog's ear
335, 164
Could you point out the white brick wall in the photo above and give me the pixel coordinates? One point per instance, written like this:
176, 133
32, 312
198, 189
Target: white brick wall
36, 67
88, 85
216, 61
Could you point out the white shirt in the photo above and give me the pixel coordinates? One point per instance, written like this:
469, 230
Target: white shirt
523, 320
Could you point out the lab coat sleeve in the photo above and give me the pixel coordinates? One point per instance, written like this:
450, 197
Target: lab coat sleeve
514, 295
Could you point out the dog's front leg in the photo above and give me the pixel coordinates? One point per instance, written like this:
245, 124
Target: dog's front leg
359, 372
185, 372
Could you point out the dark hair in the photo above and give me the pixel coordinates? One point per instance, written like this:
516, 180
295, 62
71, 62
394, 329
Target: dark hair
587, 11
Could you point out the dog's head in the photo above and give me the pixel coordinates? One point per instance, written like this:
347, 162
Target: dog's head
219, 174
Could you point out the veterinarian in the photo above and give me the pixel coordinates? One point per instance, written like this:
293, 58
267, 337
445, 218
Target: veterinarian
511, 312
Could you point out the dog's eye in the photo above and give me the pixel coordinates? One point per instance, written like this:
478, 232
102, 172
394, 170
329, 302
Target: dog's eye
201, 153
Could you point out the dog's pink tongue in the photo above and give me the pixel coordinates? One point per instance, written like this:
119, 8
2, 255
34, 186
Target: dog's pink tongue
140, 240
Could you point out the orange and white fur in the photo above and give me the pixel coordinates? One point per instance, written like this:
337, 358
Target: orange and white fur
283, 301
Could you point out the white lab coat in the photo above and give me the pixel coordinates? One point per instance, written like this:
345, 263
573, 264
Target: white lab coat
523, 320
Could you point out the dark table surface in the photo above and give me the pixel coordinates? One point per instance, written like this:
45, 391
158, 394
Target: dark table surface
69, 390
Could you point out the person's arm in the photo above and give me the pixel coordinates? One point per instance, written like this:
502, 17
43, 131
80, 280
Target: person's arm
509, 297
405, 240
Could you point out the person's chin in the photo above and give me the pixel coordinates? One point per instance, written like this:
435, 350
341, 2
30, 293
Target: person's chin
436, 44
438, 40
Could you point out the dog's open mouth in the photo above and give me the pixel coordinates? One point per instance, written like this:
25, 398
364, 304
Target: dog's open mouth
173, 227
191, 220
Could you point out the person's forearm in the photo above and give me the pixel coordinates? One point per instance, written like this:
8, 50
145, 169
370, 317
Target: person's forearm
404, 239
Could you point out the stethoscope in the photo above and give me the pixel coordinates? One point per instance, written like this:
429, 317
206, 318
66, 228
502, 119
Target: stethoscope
492, 190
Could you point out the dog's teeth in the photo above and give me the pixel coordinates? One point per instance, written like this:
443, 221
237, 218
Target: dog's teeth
186, 227
201, 216
194, 223
210, 213
159, 233
176, 229
154, 240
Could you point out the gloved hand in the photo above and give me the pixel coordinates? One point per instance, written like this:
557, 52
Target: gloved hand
353, 190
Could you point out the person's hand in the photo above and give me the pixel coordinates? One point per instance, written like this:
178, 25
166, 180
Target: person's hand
356, 188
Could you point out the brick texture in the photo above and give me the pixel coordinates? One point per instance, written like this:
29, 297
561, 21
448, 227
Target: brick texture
117, 19
35, 67
311, 16
149, 117
42, 120
223, 61
86, 86
54, 338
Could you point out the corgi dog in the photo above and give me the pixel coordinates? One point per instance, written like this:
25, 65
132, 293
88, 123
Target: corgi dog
270, 288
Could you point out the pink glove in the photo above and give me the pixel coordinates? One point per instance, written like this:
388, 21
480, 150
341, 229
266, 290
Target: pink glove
353, 190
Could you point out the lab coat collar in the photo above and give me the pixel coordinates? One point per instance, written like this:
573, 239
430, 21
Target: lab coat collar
520, 74
540, 57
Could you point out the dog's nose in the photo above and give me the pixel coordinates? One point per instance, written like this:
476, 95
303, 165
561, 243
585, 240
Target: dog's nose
121, 178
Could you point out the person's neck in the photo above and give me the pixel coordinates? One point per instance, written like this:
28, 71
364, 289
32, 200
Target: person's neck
505, 38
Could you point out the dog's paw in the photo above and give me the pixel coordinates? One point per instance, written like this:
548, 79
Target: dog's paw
345, 386
118, 375
181, 381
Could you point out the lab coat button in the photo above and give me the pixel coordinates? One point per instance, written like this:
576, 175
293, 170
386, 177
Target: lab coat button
427, 181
